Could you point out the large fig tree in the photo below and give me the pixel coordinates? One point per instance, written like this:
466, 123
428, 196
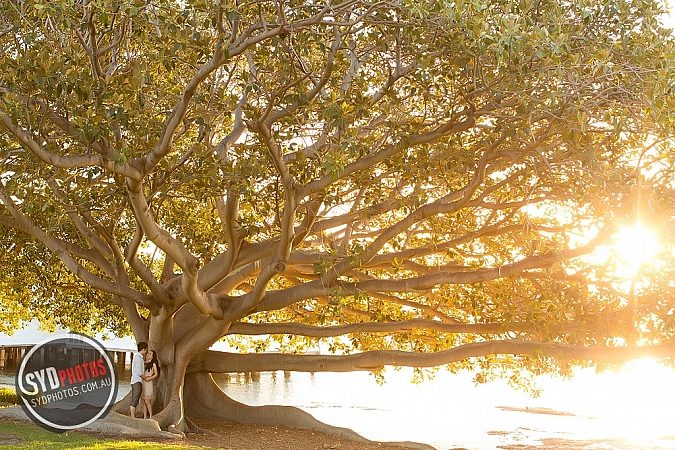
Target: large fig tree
404, 183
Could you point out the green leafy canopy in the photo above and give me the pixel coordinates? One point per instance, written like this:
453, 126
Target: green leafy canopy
413, 176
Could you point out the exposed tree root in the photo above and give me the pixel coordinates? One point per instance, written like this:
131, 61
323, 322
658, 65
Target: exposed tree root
122, 406
204, 399
194, 428
174, 429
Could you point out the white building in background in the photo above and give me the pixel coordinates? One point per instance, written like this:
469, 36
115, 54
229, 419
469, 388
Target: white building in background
12, 348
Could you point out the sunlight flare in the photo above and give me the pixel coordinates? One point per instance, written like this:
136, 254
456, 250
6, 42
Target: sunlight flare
636, 245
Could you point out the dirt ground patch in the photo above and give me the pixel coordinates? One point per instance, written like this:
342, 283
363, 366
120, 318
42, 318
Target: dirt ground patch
9, 439
254, 437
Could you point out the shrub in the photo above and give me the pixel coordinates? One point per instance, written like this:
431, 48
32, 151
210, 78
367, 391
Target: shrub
8, 395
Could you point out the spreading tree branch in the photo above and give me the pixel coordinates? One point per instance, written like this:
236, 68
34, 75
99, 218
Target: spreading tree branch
76, 268
297, 329
221, 362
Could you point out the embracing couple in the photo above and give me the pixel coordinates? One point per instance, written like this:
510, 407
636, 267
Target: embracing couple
144, 369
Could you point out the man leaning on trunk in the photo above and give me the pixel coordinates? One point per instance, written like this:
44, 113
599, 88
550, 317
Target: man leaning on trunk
137, 367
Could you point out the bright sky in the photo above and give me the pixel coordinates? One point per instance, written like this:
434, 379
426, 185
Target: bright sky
670, 20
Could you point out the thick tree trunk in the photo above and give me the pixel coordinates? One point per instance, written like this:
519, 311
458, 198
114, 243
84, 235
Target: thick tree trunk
169, 398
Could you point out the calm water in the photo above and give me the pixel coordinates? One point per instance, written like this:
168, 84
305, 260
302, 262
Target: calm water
634, 409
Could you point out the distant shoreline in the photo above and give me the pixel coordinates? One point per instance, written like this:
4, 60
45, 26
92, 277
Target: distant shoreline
538, 410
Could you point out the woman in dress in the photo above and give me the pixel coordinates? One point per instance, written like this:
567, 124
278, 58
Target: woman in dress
151, 372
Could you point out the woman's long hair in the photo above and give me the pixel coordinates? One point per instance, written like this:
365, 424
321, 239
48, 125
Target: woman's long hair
148, 365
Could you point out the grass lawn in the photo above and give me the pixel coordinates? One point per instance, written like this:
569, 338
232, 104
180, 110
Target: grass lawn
24, 435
